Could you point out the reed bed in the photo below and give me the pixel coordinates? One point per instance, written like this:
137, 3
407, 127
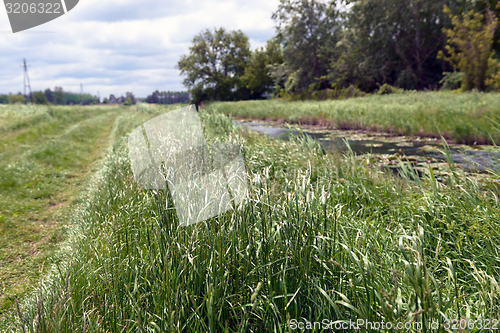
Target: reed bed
319, 237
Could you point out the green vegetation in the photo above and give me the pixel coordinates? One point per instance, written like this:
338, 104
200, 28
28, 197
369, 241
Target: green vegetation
323, 46
16, 99
320, 236
61, 97
465, 118
47, 154
470, 45
215, 65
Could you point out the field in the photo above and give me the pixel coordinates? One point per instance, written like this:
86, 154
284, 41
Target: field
320, 236
464, 118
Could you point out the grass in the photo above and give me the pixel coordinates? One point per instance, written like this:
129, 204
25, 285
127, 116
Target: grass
46, 156
319, 237
463, 118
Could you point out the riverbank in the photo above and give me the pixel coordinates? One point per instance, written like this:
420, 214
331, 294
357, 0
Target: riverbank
467, 118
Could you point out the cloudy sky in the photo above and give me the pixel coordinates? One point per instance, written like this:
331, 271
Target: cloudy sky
115, 46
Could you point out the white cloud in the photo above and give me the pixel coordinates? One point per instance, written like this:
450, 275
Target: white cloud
115, 46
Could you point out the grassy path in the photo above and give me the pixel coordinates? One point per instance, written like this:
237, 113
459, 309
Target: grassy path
46, 155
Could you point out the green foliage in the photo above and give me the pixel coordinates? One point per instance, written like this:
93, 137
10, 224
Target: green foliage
4, 99
308, 33
168, 97
387, 89
320, 236
493, 80
17, 99
257, 75
39, 98
324, 94
48, 95
469, 46
451, 80
215, 65
58, 95
128, 102
394, 42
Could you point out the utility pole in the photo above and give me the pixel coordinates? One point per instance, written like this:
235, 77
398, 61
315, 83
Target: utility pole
81, 93
27, 81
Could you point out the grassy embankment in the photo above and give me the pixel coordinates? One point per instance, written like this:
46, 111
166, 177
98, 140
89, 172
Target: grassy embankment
463, 118
319, 237
46, 156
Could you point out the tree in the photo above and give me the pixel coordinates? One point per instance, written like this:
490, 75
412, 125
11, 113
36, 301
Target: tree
215, 65
130, 95
58, 95
308, 31
48, 95
257, 75
39, 98
17, 99
396, 42
128, 101
469, 46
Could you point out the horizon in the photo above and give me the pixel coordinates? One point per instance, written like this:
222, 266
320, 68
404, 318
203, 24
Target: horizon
119, 46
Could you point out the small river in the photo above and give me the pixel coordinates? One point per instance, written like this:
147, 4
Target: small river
471, 158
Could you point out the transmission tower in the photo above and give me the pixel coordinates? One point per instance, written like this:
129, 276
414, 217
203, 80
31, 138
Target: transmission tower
27, 81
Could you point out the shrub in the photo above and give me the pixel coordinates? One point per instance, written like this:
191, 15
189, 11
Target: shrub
387, 89
493, 81
39, 98
451, 80
128, 101
17, 99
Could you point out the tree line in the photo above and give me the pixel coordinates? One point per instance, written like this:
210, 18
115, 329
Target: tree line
58, 97
351, 47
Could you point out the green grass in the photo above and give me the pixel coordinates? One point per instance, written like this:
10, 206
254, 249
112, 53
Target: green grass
319, 237
464, 118
46, 156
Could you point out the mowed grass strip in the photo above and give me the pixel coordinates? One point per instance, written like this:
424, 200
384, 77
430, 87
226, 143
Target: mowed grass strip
319, 237
463, 118
45, 155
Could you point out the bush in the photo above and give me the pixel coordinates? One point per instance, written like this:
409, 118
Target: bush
493, 81
324, 94
17, 99
39, 98
387, 89
451, 80
128, 101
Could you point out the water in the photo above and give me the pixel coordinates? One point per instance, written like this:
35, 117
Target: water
471, 159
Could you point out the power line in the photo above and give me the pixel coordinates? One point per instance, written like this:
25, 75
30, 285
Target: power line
27, 81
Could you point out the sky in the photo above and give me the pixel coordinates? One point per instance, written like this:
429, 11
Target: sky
115, 46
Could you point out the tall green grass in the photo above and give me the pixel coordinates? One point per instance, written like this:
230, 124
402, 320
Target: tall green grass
465, 117
319, 237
